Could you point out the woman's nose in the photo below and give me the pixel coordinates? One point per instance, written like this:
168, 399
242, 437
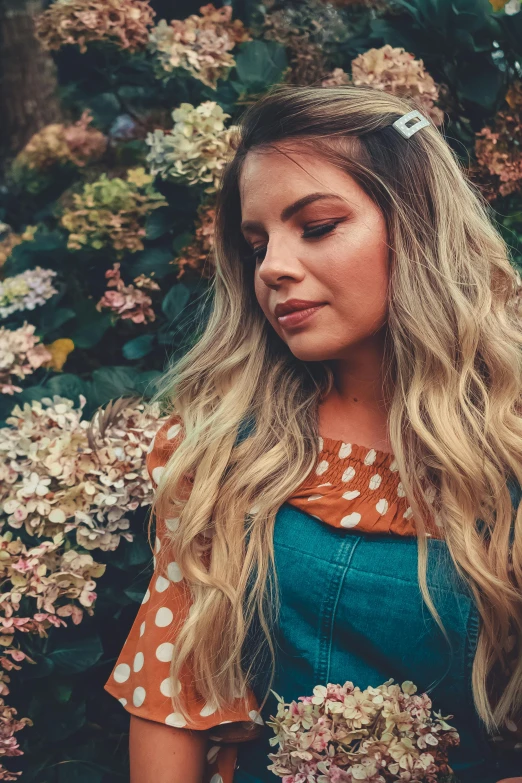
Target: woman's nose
279, 261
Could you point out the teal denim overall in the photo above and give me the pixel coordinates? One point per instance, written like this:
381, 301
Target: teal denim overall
351, 609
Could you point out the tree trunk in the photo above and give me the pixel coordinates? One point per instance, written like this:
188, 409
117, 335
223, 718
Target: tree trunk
28, 83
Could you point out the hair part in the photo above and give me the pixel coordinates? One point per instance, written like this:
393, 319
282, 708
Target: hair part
453, 377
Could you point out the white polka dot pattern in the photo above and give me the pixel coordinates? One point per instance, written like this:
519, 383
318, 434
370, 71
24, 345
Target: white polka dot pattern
352, 487
140, 679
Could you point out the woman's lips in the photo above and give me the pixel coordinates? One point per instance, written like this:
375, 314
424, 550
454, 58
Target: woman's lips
298, 316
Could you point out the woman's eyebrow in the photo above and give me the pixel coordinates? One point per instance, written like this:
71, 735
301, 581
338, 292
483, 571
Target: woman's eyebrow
291, 210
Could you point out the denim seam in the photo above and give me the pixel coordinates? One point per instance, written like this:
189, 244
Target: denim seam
328, 609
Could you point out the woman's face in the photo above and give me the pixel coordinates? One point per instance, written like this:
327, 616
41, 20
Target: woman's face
345, 269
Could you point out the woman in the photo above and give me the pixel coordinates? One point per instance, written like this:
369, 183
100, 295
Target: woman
327, 477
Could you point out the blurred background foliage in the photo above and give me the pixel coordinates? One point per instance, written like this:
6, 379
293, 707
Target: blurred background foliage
118, 116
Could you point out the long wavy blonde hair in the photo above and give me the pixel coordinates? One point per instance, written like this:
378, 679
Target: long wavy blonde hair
454, 378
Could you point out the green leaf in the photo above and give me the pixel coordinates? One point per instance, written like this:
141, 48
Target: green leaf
76, 655
66, 385
61, 722
91, 324
260, 64
154, 262
181, 241
138, 347
158, 222
108, 383
175, 301
52, 318
105, 108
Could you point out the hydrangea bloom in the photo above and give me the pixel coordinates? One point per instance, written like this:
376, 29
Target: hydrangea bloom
26, 290
197, 147
199, 44
21, 353
129, 301
59, 472
112, 212
497, 149
11, 240
394, 70
343, 733
58, 143
198, 255
125, 23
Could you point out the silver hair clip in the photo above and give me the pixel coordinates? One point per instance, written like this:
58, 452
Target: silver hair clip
406, 131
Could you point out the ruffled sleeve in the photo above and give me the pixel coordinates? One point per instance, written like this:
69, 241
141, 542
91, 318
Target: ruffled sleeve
140, 677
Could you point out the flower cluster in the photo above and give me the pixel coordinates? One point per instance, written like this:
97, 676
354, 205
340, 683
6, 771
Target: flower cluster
198, 255
125, 23
112, 212
129, 301
344, 734
9, 725
59, 472
336, 78
57, 579
197, 147
497, 149
58, 143
11, 240
310, 32
394, 70
26, 290
21, 353
199, 44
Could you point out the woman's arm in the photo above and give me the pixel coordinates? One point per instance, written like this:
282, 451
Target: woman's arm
165, 754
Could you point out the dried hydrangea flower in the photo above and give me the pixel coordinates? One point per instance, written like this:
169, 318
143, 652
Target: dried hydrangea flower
196, 149
60, 472
58, 143
26, 290
11, 240
21, 353
342, 730
128, 301
394, 70
198, 255
124, 23
112, 211
497, 149
199, 44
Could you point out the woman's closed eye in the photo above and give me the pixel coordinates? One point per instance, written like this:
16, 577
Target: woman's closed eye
311, 233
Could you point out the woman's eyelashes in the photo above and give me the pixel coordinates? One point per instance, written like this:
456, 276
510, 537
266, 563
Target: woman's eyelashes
310, 233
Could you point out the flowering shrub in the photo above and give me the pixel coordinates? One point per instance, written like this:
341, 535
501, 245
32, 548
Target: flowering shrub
122, 22
112, 212
26, 290
21, 353
59, 472
11, 240
58, 143
198, 255
129, 301
394, 70
196, 149
54, 577
497, 148
344, 734
199, 44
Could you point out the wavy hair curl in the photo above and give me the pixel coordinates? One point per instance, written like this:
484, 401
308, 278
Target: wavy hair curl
453, 375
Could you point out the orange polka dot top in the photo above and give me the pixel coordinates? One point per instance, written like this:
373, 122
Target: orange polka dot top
352, 486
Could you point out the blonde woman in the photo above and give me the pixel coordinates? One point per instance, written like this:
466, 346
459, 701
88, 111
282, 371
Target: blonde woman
337, 484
